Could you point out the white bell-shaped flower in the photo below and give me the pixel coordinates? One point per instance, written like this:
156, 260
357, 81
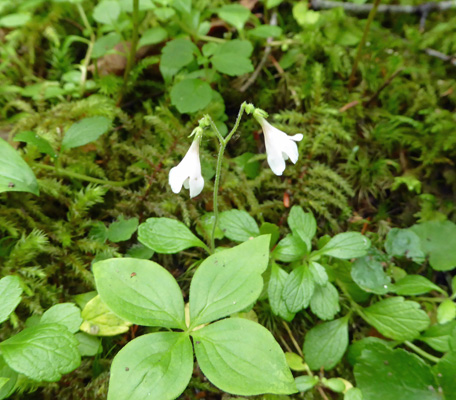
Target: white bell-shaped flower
188, 172
279, 146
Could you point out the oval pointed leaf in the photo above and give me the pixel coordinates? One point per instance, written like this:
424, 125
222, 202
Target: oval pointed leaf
397, 319
66, 314
15, 174
325, 344
412, 285
370, 276
238, 225
154, 366
85, 131
228, 281
43, 352
325, 301
298, 289
346, 245
302, 224
275, 290
140, 291
290, 248
10, 293
242, 357
167, 236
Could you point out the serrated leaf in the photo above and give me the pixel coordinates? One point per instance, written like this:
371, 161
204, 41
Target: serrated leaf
319, 273
168, 236
44, 352
290, 248
176, 54
302, 224
238, 225
85, 131
191, 95
140, 291
66, 314
325, 301
41, 144
10, 293
15, 174
100, 320
88, 345
412, 285
232, 64
387, 374
298, 289
369, 275
325, 344
275, 289
156, 366
346, 245
242, 357
438, 240
397, 318
445, 371
234, 14
228, 281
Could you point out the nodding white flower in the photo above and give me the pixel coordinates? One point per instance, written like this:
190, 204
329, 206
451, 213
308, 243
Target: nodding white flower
188, 171
279, 146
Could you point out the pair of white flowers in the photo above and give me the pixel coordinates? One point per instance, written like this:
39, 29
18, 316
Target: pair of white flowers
279, 148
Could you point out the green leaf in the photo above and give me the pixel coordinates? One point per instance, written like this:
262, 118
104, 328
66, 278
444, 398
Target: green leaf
302, 224
156, 366
122, 229
295, 362
100, 320
267, 228
369, 275
204, 227
404, 243
412, 285
14, 20
43, 352
438, 336
397, 319
168, 236
238, 225
438, 240
41, 144
335, 384
191, 95
290, 248
234, 14
353, 394
346, 245
85, 131
66, 314
153, 36
176, 54
303, 15
446, 311
232, 58
275, 289
106, 12
232, 64
9, 376
325, 344
383, 373
325, 301
140, 291
319, 273
228, 281
15, 174
105, 43
10, 293
298, 289
445, 371
305, 382
265, 31
88, 345
357, 347
139, 251
242, 357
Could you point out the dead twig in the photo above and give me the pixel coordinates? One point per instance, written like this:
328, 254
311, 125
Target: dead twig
441, 56
267, 51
